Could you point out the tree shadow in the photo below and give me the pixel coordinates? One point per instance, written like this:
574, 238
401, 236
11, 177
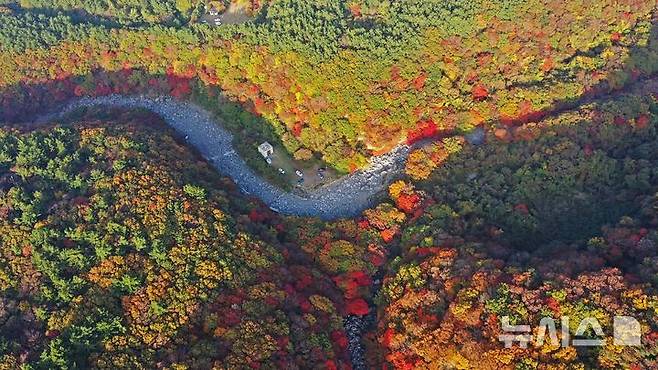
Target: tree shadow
539, 212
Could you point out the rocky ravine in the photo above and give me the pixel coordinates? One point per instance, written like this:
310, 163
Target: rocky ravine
346, 197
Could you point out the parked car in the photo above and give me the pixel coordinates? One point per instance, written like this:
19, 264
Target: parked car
299, 173
282, 171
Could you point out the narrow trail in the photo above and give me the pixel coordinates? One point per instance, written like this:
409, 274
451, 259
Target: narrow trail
346, 197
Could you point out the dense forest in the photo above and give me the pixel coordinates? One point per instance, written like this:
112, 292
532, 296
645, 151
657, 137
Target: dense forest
121, 249
350, 79
530, 190
559, 220
124, 12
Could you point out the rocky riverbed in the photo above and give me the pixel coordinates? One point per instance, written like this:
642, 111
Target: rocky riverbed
346, 197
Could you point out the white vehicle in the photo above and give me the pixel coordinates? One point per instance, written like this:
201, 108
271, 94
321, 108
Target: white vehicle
218, 22
282, 171
268, 160
299, 173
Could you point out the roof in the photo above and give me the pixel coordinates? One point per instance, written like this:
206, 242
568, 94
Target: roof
266, 149
266, 146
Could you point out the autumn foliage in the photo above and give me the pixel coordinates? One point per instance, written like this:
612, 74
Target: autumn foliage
119, 248
494, 242
347, 95
145, 249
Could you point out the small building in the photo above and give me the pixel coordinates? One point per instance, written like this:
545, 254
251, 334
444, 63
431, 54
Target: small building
266, 149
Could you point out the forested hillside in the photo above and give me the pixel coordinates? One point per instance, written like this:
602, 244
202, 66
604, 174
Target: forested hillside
121, 249
560, 220
530, 189
349, 79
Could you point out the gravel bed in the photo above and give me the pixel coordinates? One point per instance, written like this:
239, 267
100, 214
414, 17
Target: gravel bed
346, 197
